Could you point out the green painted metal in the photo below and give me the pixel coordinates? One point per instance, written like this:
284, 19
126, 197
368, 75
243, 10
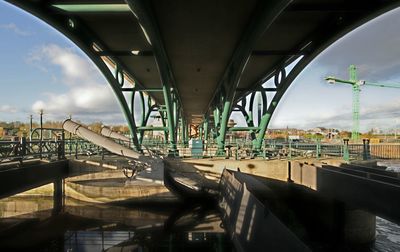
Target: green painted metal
185, 132
257, 143
143, 116
355, 133
152, 128
222, 130
249, 119
170, 119
321, 39
206, 129
143, 12
164, 123
243, 129
150, 109
83, 37
182, 130
356, 87
216, 117
93, 7
265, 14
201, 132
318, 149
346, 154
324, 37
150, 90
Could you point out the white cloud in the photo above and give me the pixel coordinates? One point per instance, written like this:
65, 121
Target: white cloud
89, 96
8, 109
14, 28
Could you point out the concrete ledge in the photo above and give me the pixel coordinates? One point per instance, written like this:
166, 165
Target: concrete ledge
251, 225
16, 180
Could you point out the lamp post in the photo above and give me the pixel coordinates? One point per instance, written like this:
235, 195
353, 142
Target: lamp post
30, 126
41, 133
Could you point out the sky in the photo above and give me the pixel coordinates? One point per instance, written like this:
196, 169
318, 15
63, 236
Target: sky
41, 69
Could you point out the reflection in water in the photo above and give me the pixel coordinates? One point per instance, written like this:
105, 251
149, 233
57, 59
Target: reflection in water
131, 241
28, 223
95, 240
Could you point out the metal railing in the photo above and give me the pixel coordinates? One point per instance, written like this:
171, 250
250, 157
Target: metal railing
287, 150
59, 147
50, 149
23, 150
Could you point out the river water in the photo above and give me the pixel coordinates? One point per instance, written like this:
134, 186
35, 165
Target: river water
28, 222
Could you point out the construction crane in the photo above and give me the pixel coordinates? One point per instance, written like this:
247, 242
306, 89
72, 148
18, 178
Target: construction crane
356, 86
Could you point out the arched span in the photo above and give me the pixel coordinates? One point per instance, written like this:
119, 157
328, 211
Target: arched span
318, 42
261, 34
89, 43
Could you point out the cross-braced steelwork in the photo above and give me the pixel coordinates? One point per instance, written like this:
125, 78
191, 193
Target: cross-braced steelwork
197, 61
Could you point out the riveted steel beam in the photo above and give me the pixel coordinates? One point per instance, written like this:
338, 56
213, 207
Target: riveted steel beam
125, 53
264, 15
277, 52
143, 12
206, 128
84, 38
318, 41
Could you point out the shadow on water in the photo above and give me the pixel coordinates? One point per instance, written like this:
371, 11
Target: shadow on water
28, 223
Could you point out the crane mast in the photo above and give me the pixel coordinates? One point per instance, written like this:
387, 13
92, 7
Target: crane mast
356, 87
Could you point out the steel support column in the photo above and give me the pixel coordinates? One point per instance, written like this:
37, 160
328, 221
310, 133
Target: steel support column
205, 126
265, 13
83, 37
143, 12
226, 112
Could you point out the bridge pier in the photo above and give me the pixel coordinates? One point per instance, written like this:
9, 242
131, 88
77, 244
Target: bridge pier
318, 221
58, 196
359, 226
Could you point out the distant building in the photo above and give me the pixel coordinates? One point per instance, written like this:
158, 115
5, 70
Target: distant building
376, 131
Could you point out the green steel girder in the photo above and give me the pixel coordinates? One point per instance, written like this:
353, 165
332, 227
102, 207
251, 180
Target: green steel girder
318, 41
144, 127
206, 128
151, 128
243, 129
143, 12
184, 132
164, 123
84, 38
248, 117
145, 118
260, 111
264, 15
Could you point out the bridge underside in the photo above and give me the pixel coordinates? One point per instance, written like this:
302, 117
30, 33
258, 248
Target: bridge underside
194, 62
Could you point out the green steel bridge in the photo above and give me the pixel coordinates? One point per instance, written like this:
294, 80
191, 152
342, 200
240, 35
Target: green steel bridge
195, 62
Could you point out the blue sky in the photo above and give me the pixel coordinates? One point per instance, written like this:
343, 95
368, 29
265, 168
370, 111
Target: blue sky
40, 68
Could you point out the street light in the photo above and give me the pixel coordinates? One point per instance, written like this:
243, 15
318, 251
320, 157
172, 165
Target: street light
41, 133
330, 80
